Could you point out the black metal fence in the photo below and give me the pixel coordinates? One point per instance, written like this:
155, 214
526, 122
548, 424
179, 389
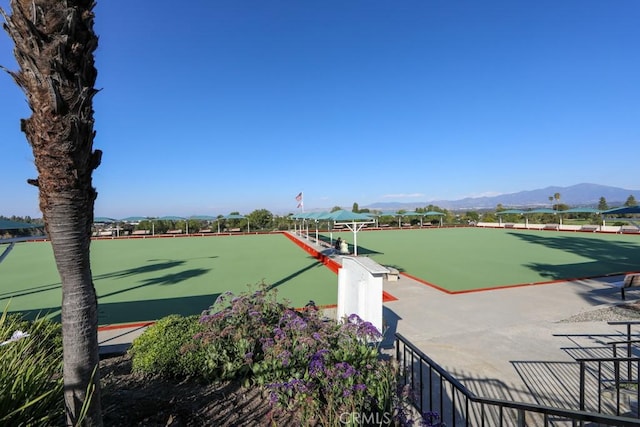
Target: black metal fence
610, 385
432, 389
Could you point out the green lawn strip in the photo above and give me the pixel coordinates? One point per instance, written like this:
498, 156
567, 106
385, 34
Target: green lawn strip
29, 278
473, 258
144, 279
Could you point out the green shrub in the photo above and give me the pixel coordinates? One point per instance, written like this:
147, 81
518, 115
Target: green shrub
30, 371
167, 348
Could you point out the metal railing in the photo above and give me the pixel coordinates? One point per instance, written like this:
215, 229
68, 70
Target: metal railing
610, 385
433, 389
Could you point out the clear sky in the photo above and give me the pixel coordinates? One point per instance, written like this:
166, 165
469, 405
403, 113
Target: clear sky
208, 107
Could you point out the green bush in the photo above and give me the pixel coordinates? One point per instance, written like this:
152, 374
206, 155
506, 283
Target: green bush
167, 348
30, 371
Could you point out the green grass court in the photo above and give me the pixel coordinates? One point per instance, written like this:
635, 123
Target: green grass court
465, 259
145, 279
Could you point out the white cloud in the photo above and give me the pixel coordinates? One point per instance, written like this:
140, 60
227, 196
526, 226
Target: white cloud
403, 196
485, 194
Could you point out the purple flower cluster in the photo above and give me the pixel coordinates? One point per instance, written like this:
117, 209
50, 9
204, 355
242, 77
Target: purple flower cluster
362, 329
316, 364
345, 370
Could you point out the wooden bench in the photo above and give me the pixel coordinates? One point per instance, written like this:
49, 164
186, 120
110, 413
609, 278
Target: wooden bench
555, 227
589, 227
631, 280
140, 232
509, 225
629, 229
180, 231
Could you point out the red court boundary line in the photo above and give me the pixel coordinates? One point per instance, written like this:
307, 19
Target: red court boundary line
125, 326
329, 263
517, 285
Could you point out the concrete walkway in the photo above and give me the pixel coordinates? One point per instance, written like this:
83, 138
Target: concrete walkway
510, 343
507, 343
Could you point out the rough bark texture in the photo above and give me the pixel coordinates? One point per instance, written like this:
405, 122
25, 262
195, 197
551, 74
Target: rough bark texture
54, 45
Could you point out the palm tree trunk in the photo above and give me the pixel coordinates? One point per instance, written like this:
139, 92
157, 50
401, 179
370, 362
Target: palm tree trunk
54, 44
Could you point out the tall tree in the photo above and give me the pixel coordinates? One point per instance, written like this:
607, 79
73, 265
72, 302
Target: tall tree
556, 196
54, 44
602, 204
355, 207
631, 201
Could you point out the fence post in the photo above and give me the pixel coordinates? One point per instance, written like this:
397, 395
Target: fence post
582, 385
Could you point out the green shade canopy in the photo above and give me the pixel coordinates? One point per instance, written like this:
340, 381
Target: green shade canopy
171, 218
510, 211
412, 214
581, 210
203, 217
431, 213
104, 220
6, 224
542, 211
134, 218
302, 215
343, 215
234, 216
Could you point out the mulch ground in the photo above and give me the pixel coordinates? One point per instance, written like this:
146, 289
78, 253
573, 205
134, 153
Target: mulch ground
129, 399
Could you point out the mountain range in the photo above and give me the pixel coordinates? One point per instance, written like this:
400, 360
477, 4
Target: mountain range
575, 195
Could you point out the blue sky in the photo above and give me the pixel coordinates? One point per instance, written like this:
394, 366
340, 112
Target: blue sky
219, 106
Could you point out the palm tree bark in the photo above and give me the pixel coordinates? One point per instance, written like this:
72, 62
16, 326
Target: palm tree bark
54, 44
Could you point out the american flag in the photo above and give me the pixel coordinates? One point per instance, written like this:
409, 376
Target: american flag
299, 197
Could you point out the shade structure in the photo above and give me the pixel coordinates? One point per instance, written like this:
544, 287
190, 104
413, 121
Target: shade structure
435, 213
581, 210
203, 217
421, 215
538, 211
541, 211
6, 224
353, 221
134, 218
104, 220
344, 215
234, 216
175, 218
510, 211
316, 217
623, 210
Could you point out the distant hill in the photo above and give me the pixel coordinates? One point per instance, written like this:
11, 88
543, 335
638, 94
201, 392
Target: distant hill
575, 195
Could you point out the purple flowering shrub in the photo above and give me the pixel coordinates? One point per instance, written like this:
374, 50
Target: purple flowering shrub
233, 330
325, 369
328, 372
